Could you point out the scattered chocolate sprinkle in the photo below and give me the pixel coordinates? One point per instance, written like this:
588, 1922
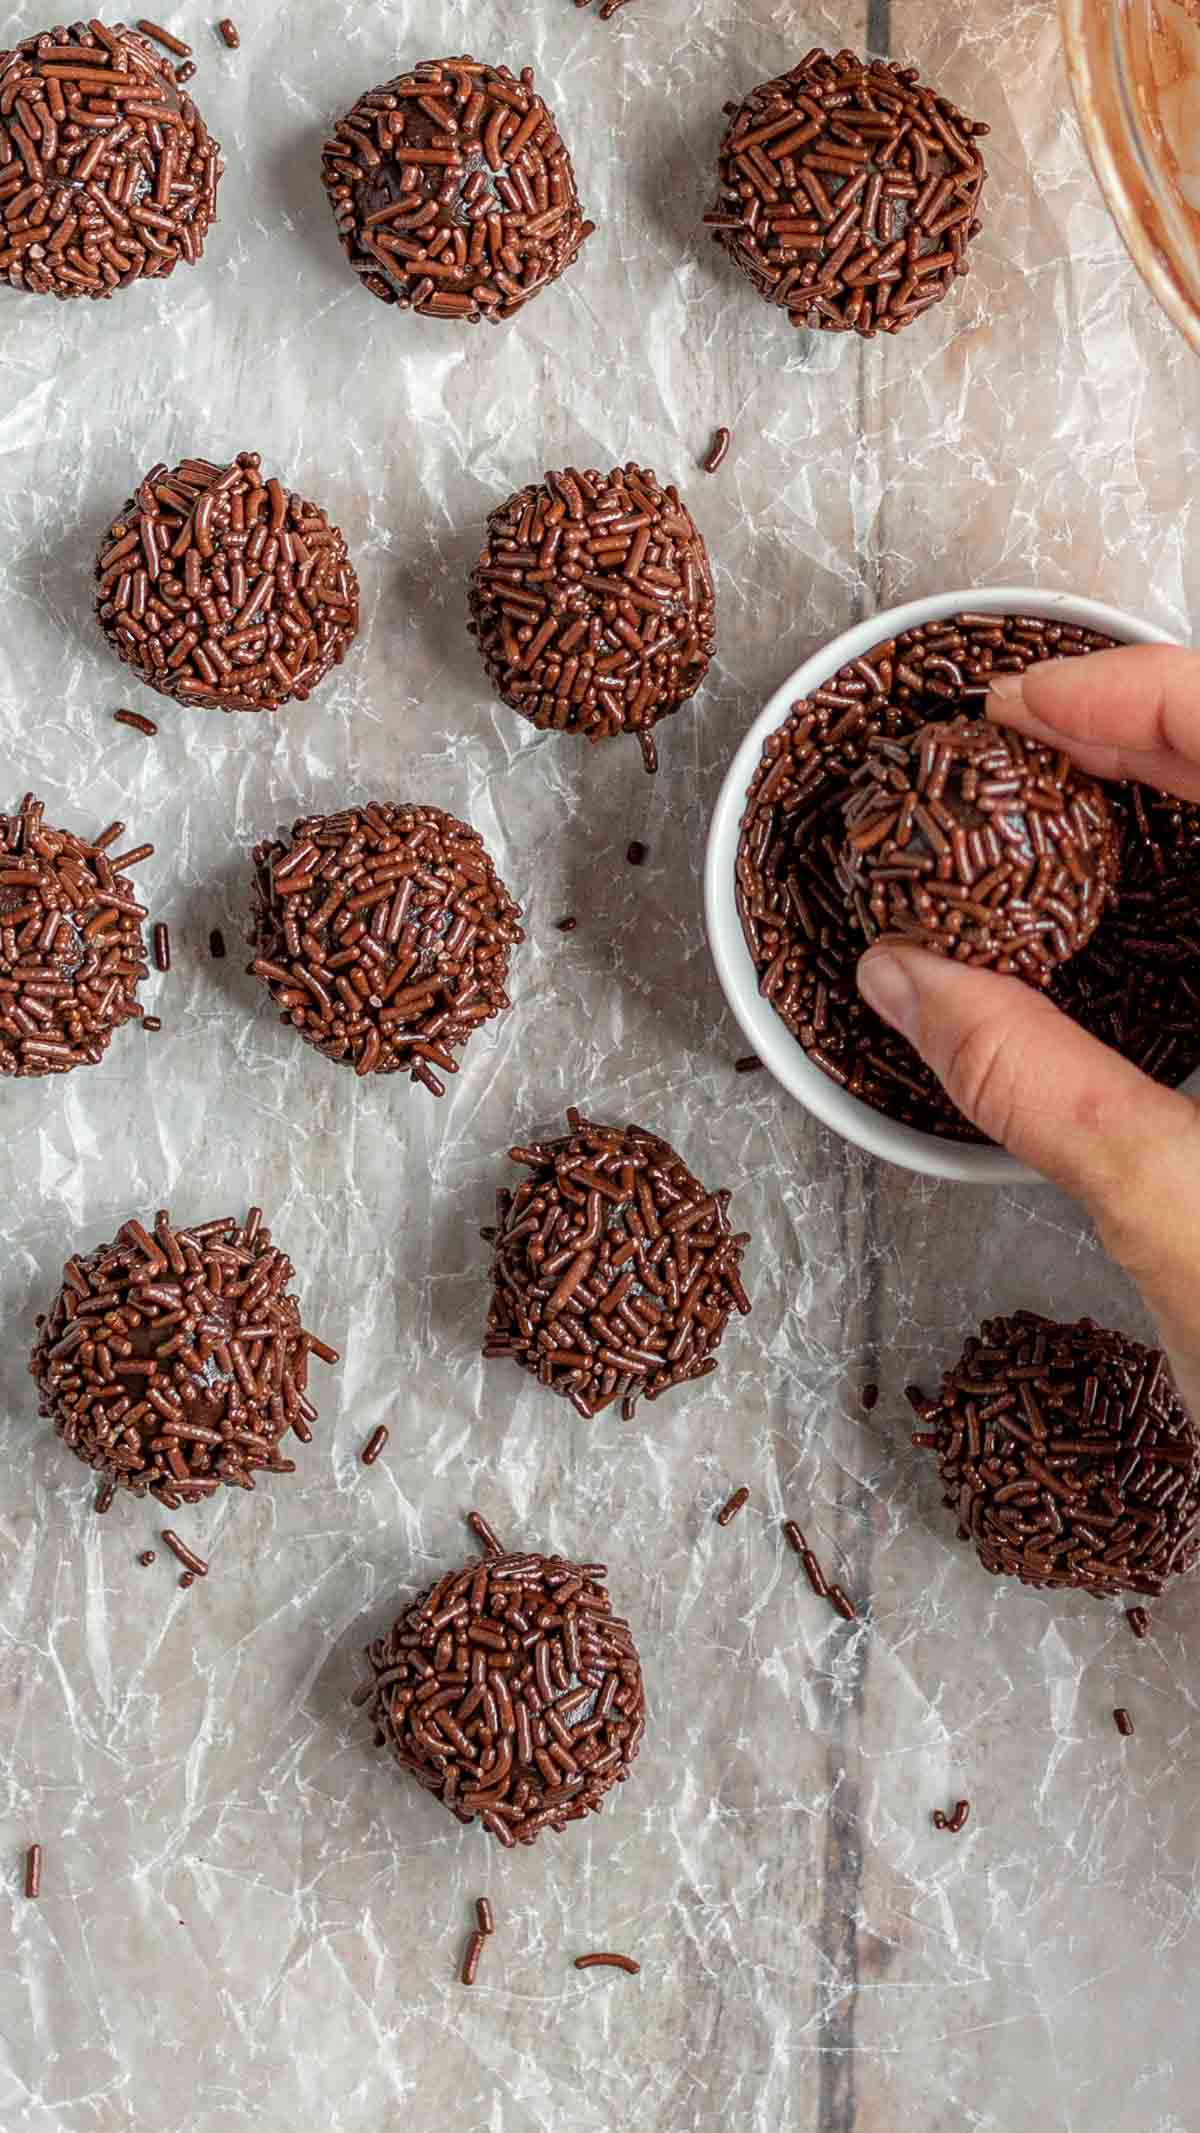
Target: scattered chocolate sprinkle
1138, 1620
729, 1511
1123, 1722
195, 1563
162, 946
483, 1914
174, 1360
636, 853
223, 590
383, 935
614, 1271
1068, 1456
229, 32
471, 1958
567, 925
805, 941
749, 1063
165, 37
812, 1568
848, 193
188, 1579
108, 175
592, 604
958, 1819
216, 944
453, 192
607, 8
980, 845
152, 1023
72, 954
483, 1533
870, 1397
717, 450
512, 1692
33, 1872
186, 73
605, 1960
136, 720
940, 1819
104, 1496
147, 1557
374, 1445
840, 1604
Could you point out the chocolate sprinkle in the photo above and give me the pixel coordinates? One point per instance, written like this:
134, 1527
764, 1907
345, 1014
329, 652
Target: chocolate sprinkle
228, 32
636, 853
1068, 1456
978, 844
216, 944
171, 43
383, 935
592, 604
186, 73
72, 953
151, 1024
223, 590
374, 1445
470, 1963
1123, 1722
717, 450
452, 191
175, 1361
147, 1557
1138, 1620
162, 947
108, 176
848, 193
567, 925
604, 1959
33, 1872
512, 1692
614, 1270
749, 1063
136, 720
729, 1511
1136, 985
483, 1915
193, 1563
483, 1533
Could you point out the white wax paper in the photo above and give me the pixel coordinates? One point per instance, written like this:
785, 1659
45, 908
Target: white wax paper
248, 1919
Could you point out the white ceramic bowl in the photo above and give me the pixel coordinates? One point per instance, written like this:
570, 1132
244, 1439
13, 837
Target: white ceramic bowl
773, 1042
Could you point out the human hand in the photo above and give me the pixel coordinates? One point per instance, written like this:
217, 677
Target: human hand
1025, 1074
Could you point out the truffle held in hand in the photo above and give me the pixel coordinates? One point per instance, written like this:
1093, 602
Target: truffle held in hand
224, 590
848, 193
512, 1692
175, 1361
592, 604
614, 1270
71, 949
981, 845
1067, 1455
108, 174
384, 935
453, 192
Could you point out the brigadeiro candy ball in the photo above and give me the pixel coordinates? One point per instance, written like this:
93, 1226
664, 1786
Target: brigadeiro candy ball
614, 1270
980, 845
513, 1692
1067, 1455
71, 949
174, 1361
108, 174
384, 934
452, 191
848, 193
592, 604
225, 590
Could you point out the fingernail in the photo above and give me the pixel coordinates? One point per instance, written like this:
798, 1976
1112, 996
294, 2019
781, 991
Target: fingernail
886, 986
1007, 688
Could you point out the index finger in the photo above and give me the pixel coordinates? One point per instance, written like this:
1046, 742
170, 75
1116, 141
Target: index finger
1131, 713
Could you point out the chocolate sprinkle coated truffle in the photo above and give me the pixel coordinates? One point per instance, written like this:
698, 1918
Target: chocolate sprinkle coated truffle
224, 590
614, 1271
384, 936
108, 174
453, 192
848, 193
176, 1361
1136, 986
513, 1692
71, 949
1068, 1456
980, 845
592, 604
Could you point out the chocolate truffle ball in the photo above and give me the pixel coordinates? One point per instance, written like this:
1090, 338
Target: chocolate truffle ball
513, 1692
71, 949
224, 590
980, 845
384, 934
848, 193
452, 191
108, 174
592, 604
614, 1270
1067, 1455
176, 1361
